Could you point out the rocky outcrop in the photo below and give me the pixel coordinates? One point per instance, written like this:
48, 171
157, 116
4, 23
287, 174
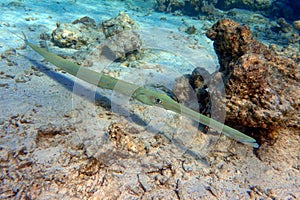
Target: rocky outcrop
262, 87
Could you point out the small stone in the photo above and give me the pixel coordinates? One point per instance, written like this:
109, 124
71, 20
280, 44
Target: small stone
191, 30
297, 24
10, 52
30, 19
10, 62
87, 21
31, 28
1, 121
125, 140
22, 78
5, 85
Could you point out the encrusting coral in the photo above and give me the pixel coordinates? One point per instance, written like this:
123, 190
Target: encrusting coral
262, 87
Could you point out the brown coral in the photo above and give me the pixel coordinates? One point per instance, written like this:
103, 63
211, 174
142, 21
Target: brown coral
262, 87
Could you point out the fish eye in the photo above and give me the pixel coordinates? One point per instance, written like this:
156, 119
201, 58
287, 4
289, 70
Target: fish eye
158, 101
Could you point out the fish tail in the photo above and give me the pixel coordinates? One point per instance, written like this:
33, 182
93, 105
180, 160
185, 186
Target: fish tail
24, 38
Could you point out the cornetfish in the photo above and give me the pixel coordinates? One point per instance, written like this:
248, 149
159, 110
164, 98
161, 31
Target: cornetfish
142, 94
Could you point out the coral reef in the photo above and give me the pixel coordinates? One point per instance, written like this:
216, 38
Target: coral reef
288, 9
192, 7
262, 87
248, 4
169, 5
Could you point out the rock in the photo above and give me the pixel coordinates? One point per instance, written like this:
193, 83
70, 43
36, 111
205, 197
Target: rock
245, 4
297, 24
189, 7
262, 87
285, 27
196, 7
191, 30
289, 9
184, 92
80, 33
169, 5
114, 38
200, 79
125, 140
120, 46
117, 25
87, 21
122, 41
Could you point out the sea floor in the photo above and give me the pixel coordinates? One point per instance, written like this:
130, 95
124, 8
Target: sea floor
62, 138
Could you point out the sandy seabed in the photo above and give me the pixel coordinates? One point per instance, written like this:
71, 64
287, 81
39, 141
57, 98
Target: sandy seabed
64, 139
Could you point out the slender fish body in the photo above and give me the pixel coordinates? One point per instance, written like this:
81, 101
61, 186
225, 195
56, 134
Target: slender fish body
142, 94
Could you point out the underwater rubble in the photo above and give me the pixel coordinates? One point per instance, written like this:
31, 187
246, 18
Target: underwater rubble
114, 38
